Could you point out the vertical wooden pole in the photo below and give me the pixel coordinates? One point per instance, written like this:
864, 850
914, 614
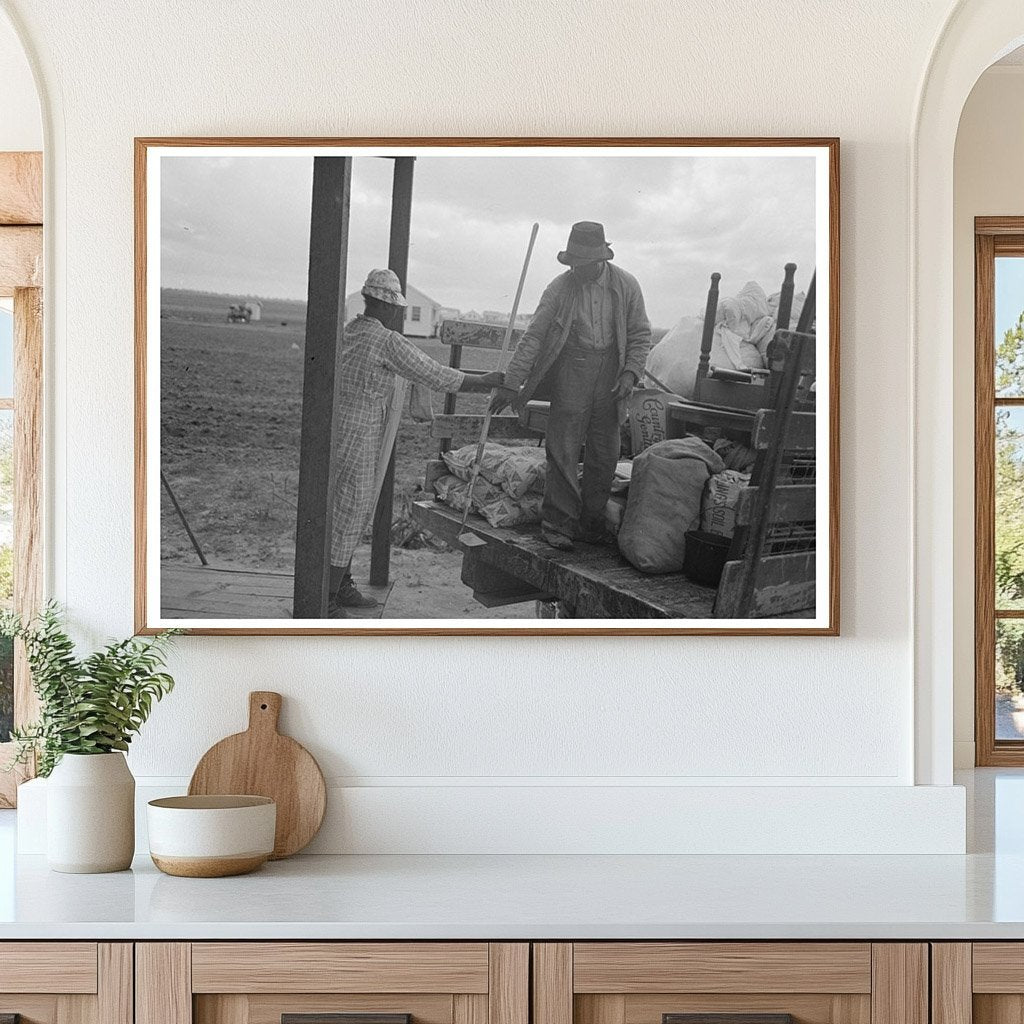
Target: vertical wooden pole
325, 321
785, 310
707, 335
455, 362
398, 261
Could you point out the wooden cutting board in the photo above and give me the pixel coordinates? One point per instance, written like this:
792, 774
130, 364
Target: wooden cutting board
262, 762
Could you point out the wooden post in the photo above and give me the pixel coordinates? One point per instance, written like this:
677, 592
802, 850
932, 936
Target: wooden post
707, 335
325, 322
398, 261
455, 362
785, 310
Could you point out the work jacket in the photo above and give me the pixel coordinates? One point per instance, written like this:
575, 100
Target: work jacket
542, 342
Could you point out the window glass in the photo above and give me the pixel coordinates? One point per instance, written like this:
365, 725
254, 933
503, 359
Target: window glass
1009, 523
1009, 320
1008, 412
6, 353
1009, 679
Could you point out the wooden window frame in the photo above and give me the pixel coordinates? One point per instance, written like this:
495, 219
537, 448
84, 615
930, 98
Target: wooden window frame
21, 272
993, 237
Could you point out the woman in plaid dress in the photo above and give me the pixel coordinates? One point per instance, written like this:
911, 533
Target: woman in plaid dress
371, 357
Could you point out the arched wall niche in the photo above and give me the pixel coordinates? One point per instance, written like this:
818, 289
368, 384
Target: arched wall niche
975, 35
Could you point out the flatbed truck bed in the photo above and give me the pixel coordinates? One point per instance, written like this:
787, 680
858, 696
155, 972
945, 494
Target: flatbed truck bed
591, 582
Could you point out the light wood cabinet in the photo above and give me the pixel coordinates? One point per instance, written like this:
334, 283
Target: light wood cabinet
494, 983
751, 982
305, 982
66, 982
978, 983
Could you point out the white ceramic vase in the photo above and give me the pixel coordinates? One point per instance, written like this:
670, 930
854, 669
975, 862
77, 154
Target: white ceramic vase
90, 814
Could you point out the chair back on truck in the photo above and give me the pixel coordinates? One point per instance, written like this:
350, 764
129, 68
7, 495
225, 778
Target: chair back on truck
771, 566
733, 389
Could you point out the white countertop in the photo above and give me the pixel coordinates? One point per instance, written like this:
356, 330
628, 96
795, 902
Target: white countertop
517, 897
977, 896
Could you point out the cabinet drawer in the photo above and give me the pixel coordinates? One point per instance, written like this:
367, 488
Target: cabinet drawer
340, 967
332, 983
66, 982
634, 967
66, 967
730, 983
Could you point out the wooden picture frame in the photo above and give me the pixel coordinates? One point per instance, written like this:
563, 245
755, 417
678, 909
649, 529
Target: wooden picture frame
487, 579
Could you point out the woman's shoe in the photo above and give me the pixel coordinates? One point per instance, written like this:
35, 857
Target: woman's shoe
348, 596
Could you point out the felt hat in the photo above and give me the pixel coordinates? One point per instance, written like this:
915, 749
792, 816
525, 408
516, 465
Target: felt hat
384, 285
586, 242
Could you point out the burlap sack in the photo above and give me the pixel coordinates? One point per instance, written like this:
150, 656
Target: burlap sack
664, 502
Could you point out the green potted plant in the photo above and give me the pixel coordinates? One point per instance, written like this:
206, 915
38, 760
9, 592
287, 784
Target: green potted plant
90, 708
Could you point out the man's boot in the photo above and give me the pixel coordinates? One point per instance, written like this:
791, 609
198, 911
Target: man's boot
557, 540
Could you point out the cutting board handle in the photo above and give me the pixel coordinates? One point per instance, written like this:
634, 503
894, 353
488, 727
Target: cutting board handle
264, 710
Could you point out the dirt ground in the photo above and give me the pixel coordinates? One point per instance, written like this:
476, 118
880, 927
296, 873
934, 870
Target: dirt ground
427, 586
231, 400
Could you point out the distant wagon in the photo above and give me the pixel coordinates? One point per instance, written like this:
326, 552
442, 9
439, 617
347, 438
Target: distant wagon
245, 312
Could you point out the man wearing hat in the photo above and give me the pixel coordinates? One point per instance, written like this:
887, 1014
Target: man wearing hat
371, 357
586, 347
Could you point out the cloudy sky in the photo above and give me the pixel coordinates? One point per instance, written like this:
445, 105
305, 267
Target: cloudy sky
240, 224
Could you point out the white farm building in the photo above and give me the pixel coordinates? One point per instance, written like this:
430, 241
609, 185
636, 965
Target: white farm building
423, 315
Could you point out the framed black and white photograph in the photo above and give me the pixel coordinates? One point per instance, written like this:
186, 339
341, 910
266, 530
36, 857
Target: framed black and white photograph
506, 386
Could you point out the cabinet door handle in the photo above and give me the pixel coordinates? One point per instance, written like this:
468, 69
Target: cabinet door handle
337, 1018
727, 1018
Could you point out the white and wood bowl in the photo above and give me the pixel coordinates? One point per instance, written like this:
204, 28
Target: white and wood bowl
211, 836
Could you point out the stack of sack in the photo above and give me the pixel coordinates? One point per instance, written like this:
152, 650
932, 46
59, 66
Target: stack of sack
744, 324
510, 487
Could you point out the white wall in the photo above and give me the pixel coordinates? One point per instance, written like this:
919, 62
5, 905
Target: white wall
435, 716
987, 181
21, 127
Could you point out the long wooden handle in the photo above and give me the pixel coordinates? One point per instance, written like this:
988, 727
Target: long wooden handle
264, 710
485, 427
